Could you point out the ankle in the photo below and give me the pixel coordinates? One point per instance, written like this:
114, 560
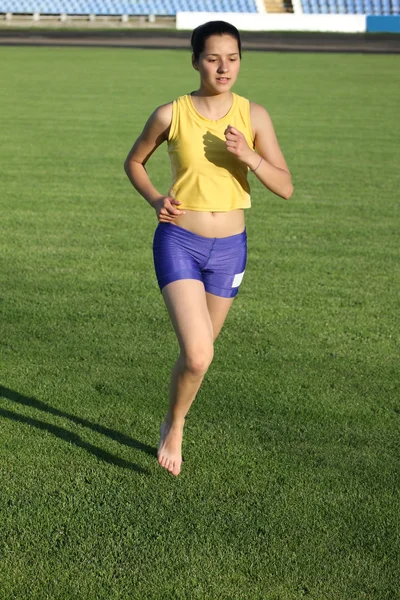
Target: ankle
175, 422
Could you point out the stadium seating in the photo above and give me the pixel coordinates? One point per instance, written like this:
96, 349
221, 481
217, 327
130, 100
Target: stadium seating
362, 7
171, 7
124, 7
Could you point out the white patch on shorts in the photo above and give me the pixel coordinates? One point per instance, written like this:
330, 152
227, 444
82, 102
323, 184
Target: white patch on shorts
237, 280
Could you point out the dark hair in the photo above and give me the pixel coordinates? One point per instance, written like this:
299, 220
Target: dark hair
202, 32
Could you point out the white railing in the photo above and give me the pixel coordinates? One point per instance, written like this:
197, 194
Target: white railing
260, 7
297, 7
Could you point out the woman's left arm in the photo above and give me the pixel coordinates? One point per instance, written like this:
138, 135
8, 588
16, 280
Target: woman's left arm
268, 163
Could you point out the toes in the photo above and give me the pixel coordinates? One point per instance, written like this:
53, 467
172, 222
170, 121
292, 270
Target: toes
165, 462
172, 466
176, 468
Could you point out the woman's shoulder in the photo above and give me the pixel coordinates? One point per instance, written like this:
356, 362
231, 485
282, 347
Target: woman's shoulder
240, 99
260, 119
257, 110
163, 114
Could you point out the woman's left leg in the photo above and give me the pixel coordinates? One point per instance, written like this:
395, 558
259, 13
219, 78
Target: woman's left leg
184, 384
198, 306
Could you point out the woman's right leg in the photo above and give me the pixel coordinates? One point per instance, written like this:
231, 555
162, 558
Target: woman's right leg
187, 306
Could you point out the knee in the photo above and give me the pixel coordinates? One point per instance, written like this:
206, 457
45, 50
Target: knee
197, 363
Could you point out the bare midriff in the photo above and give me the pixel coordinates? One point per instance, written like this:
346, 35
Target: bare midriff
212, 224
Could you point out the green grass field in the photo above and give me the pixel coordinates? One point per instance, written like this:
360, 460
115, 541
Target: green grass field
290, 485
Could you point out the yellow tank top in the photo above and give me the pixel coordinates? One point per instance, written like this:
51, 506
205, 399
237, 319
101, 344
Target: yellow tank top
205, 176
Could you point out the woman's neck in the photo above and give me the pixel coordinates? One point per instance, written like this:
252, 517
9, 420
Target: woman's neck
212, 106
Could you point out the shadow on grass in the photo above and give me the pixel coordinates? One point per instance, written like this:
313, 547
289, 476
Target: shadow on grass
73, 438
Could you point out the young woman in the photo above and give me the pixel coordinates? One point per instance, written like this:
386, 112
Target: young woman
214, 138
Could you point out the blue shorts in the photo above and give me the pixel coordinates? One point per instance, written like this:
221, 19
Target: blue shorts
218, 262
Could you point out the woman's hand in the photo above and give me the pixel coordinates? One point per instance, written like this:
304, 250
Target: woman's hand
166, 209
236, 143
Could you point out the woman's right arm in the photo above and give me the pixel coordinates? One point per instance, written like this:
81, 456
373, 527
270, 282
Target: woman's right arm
155, 132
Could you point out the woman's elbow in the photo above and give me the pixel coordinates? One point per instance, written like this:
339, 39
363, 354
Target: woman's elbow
130, 165
126, 165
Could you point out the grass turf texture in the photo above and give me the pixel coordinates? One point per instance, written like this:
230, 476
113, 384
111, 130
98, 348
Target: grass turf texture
290, 483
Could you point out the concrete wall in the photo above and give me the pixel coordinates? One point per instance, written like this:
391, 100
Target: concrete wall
293, 22
276, 22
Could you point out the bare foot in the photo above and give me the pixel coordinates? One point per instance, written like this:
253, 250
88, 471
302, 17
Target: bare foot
170, 448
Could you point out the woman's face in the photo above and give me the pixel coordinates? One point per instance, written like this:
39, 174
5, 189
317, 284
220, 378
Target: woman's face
219, 63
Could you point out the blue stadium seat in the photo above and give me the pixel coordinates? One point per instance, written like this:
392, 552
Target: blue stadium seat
332, 6
130, 7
